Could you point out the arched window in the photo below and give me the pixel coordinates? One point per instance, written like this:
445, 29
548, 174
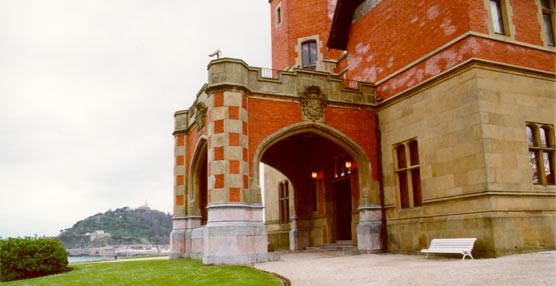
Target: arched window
540, 139
284, 201
408, 173
309, 54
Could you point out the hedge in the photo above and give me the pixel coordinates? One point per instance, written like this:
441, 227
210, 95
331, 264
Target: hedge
28, 257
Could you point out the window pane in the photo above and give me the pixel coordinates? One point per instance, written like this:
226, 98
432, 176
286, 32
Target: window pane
534, 168
305, 55
543, 137
401, 157
404, 200
309, 54
416, 182
497, 20
530, 136
414, 153
313, 54
548, 160
545, 4
548, 29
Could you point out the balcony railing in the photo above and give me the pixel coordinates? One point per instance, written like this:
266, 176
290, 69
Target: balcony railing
351, 84
273, 74
269, 73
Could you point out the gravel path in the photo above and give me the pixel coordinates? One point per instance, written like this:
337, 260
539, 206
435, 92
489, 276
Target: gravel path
391, 269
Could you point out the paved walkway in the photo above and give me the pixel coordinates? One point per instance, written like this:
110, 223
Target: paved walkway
391, 269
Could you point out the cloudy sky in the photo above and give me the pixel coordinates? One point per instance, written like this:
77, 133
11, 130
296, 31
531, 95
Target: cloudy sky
88, 90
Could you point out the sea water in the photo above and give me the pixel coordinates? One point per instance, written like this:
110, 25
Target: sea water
77, 259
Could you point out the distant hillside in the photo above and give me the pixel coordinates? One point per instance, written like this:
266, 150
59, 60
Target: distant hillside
123, 226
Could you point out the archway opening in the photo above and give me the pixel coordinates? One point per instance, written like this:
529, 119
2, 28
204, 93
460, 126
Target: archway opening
199, 183
317, 184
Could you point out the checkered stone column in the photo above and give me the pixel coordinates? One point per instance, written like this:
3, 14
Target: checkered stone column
235, 232
228, 147
178, 235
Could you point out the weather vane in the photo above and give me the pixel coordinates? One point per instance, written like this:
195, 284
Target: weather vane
216, 53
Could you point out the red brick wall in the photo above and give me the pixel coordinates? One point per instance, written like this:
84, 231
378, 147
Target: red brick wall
395, 34
359, 125
527, 27
267, 117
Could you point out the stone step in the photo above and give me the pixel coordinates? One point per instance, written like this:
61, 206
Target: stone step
343, 247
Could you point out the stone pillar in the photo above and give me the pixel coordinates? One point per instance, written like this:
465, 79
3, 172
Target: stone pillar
235, 232
177, 236
299, 234
368, 229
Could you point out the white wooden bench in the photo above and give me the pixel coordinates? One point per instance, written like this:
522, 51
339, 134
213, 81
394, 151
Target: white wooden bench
463, 246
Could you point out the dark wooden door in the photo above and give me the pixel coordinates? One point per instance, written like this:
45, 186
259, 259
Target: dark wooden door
343, 209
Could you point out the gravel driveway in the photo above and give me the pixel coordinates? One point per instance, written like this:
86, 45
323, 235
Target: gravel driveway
393, 269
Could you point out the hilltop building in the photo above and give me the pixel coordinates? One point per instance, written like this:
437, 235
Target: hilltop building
384, 124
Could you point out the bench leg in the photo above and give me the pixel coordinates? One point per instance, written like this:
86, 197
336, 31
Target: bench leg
467, 254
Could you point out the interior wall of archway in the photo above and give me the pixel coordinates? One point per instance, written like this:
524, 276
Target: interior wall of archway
197, 183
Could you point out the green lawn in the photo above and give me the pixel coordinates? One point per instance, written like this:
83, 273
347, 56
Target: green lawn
153, 272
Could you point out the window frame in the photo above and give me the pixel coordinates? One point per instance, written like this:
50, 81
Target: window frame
549, 33
508, 30
407, 168
283, 202
278, 15
501, 19
312, 63
538, 163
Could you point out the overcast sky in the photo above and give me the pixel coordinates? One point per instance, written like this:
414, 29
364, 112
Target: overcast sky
88, 90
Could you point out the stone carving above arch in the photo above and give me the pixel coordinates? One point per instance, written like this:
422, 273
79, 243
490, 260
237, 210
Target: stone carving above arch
200, 115
313, 102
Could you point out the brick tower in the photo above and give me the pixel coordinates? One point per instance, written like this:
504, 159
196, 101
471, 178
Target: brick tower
300, 33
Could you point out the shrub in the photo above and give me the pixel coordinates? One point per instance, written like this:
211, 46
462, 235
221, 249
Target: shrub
31, 257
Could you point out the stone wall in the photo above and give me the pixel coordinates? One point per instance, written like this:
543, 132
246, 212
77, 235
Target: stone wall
475, 174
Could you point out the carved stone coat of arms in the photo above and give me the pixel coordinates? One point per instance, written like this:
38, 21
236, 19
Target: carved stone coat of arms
313, 102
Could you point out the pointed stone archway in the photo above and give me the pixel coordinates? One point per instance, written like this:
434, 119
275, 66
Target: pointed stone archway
328, 197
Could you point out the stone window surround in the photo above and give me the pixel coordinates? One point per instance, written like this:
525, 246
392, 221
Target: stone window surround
298, 50
541, 21
284, 202
408, 171
507, 15
539, 150
278, 15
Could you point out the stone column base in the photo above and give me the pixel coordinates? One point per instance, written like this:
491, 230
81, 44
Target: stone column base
299, 239
180, 237
177, 238
300, 236
369, 229
235, 234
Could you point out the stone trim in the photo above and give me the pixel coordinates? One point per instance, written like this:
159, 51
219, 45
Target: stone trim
458, 69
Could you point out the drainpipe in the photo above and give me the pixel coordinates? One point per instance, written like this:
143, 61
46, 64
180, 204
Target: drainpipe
383, 231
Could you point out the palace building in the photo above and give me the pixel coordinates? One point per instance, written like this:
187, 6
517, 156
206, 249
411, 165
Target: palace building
382, 124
